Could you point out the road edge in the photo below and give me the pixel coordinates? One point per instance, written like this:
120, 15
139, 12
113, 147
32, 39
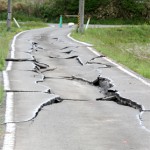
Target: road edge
9, 137
111, 61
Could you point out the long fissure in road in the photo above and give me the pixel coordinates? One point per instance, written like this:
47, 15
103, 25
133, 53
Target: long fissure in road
55, 70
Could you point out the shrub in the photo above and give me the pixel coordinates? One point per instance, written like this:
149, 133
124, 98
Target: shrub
3, 5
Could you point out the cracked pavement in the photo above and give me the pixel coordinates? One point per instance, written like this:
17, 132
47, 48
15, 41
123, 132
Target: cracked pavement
66, 98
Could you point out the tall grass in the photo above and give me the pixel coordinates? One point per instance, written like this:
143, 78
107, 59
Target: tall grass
129, 46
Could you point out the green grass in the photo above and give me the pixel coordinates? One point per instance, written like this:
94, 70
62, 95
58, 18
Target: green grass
129, 46
7, 36
119, 21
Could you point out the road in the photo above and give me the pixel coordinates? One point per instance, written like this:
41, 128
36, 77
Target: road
62, 95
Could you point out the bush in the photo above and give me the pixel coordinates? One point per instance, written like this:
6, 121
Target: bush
131, 8
49, 10
3, 5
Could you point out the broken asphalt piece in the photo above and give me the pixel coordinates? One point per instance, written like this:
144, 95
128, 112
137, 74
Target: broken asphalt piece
41, 65
122, 101
71, 57
112, 95
54, 100
108, 66
103, 83
74, 47
78, 79
40, 48
46, 70
49, 91
50, 102
71, 78
34, 45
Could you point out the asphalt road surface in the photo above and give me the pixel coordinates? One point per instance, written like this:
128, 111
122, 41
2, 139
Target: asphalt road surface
65, 97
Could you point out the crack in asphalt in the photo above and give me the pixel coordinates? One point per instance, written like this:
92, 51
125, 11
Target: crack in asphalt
70, 78
65, 47
101, 56
108, 66
146, 110
74, 47
112, 95
30, 91
41, 65
18, 60
71, 57
46, 70
55, 39
104, 84
79, 60
122, 101
68, 52
52, 101
21, 91
34, 45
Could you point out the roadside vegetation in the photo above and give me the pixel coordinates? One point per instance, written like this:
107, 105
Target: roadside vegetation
100, 11
5, 40
129, 46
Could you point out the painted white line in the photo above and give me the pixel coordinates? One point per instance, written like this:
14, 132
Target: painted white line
9, 106
112, 62
6, 80
13, 44
9, 66
78, 41
9, 139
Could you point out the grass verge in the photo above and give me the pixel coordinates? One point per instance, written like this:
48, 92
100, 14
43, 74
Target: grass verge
7, 36
129, 46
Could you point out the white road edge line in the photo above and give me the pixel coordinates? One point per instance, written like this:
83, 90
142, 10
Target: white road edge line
112, 62
78, 41
9, 138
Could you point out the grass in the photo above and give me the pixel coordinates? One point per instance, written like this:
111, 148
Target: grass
129, 46
7, 36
